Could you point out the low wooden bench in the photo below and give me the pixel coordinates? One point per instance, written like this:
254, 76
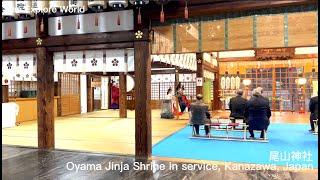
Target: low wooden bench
230, 120
229, 127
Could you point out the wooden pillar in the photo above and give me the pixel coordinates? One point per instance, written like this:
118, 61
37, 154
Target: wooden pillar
89, 94
176, 82
45, 98
59, 108
200, 68
123, 95
5, 93
216, 94
142, 65
176, 78
45, 88
274, 84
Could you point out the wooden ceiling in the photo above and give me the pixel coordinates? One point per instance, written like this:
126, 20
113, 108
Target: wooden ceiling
175, 8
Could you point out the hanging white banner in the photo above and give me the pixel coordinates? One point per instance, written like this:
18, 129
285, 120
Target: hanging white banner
8, 8
130, 60
166, 78
115, 61
94, 61
25, 69
188, 78
74, 61
40, 6
59, 65
9, 63
23, 7
181, 77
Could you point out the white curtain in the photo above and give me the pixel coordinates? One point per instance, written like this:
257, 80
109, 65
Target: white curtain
74, 61
9, 63
115, 61
25, 71
94, 61
130, 60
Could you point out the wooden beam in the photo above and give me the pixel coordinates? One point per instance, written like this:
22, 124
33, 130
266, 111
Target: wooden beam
123, 45
298, 56
216, 94
123, 95
71, 40
142, 64
210, 67
176, 78
19, 51
171, 71
237, 59
5, 93
200, 69
211, 7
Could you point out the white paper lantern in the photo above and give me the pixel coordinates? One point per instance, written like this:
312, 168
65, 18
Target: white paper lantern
118, 4
23, 8
97, 5
233, 83
40, 6
78, 4
238, 80
223, 83
56, 5
8, 8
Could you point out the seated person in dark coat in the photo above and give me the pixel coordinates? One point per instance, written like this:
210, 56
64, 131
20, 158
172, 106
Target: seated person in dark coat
258, 113
199, 113
313, 108
237, 106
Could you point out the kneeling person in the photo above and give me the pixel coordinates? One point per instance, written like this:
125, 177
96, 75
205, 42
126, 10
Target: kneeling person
199, 115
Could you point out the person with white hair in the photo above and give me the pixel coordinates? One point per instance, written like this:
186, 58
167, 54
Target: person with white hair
258, 113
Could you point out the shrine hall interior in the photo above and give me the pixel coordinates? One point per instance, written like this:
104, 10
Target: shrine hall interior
97, 80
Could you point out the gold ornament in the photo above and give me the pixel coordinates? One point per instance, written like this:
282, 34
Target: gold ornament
39, 41
139, 34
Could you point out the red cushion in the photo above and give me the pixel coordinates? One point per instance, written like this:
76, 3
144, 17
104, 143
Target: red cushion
215, 124
233, 124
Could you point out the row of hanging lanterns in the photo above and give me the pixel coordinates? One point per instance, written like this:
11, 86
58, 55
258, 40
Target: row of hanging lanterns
162, 15
24, 9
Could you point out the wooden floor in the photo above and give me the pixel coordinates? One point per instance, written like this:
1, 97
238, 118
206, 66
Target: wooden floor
100, 131
26, 163
103, 131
